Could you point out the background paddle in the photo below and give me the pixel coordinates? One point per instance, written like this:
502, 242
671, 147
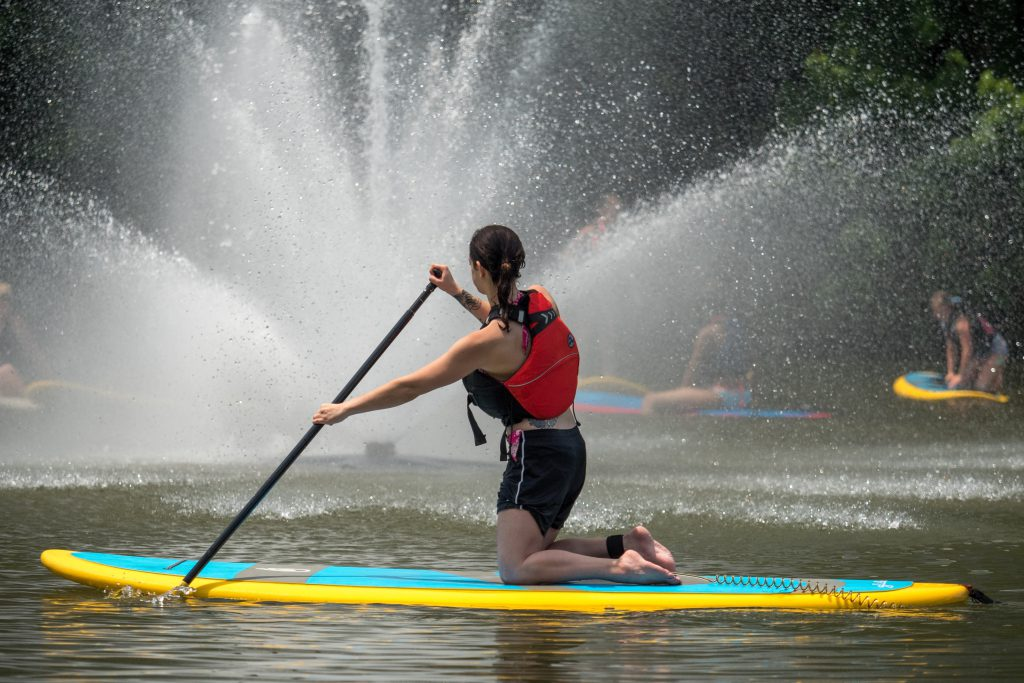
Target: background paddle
308, 437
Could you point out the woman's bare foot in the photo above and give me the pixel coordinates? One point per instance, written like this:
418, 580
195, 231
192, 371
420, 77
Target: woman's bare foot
632, 568
641, 540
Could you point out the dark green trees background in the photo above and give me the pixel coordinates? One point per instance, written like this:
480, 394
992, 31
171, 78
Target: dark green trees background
944, 78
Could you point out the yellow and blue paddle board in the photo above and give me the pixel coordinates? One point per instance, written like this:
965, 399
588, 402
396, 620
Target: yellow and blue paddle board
271, 581
930, 386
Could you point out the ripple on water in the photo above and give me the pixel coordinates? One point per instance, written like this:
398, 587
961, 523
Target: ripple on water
56, 477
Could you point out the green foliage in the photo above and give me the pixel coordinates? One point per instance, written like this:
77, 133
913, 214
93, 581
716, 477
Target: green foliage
947, 209
1000, 121
917, 54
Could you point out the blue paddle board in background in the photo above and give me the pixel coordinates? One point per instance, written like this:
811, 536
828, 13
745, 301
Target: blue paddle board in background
609, 402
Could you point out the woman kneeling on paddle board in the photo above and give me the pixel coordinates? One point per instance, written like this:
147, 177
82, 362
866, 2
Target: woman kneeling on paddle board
521, 367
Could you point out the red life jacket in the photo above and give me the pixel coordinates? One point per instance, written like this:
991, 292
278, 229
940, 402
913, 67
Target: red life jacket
544, 386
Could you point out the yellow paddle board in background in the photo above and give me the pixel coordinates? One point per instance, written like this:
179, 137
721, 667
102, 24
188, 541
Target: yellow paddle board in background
930, 386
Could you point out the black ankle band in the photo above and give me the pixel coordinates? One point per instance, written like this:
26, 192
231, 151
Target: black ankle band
615, 547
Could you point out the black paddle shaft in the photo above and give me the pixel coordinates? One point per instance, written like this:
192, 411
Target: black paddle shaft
308, 437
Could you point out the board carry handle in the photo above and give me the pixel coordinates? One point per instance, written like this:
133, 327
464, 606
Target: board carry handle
309, 435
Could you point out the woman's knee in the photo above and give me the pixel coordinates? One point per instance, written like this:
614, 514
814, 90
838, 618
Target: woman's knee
510, 573
988, 377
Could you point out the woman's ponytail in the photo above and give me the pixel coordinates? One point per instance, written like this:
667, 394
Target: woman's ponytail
500, 252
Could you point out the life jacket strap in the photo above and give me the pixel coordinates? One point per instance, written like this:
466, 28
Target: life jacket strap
479, 438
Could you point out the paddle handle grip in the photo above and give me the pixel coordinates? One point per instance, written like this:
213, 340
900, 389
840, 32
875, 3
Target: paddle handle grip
309, 435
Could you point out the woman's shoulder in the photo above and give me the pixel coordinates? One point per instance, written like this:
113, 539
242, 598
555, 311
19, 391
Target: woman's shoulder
544, 291
490, 335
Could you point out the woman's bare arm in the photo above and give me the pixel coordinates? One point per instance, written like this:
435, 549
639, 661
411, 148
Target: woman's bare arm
473, 351
480, 308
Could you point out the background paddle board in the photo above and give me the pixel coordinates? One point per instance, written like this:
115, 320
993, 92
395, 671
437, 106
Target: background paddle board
270, 581
931, 386
17, 404
610, 402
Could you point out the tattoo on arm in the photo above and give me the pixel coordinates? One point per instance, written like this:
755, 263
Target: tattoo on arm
468, 301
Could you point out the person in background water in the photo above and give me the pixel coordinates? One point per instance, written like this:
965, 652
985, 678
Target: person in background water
591, 235
587, 243
18, 350
976, 352
717, 375
521, 366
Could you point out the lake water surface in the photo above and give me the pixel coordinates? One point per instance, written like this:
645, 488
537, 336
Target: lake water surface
902, 491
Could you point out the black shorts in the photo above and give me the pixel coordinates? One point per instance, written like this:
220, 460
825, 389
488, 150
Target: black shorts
546, 476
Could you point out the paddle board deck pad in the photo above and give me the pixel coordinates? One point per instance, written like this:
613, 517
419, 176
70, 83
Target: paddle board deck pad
930, 386
609, 402
421, 587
